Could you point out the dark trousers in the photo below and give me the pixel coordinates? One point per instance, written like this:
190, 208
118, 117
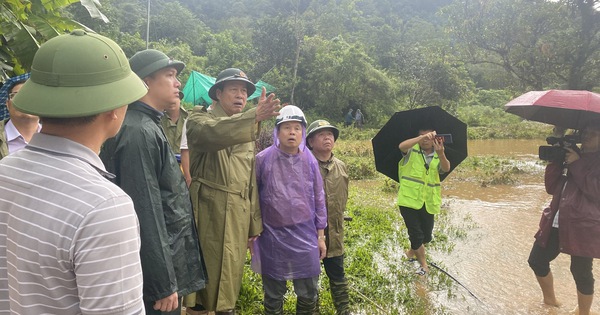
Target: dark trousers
419, 224
581, 267
334, 268
306, 290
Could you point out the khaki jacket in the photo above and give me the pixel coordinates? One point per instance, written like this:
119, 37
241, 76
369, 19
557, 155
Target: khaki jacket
335, 183
173, 130
224, 195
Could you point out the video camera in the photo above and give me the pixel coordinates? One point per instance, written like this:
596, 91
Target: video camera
557, 148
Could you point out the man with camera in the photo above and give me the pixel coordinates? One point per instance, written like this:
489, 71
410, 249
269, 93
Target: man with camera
571, 224
419, 193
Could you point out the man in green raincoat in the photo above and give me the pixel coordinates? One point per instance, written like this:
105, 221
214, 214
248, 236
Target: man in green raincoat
223, 189
145, 167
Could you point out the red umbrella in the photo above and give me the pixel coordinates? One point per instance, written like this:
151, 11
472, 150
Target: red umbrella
565, 108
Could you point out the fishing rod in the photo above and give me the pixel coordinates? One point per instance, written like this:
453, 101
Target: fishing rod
456, 280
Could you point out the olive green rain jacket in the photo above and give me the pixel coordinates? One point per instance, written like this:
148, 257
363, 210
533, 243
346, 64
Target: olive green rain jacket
335, 184
3, 142
225, 197
173, 130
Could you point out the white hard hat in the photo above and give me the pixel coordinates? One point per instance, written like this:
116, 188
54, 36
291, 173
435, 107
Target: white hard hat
290, 113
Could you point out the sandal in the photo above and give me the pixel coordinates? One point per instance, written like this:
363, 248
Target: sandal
409, 259
421, 271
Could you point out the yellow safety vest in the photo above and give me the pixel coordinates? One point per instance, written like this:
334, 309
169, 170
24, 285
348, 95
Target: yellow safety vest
418, 185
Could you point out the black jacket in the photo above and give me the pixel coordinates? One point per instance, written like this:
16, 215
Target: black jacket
147, 170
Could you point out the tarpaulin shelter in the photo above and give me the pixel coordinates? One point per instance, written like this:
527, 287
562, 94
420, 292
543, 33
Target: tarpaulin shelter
197, 86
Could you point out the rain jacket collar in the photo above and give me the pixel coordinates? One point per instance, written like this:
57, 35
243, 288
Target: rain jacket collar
147, 109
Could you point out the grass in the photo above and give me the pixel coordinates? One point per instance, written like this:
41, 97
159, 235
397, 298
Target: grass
380, 281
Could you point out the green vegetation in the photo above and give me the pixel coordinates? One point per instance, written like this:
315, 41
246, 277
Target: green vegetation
381, 282
467, 56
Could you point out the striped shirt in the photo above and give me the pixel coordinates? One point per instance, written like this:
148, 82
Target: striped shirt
69, 238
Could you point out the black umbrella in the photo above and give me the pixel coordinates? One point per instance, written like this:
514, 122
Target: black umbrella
405, 125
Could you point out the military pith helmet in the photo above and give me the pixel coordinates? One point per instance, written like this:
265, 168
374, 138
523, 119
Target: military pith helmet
231, 74
146, 62
319, 125
76, 75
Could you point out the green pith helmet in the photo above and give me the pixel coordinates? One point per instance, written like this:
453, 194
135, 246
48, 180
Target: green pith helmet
146, 62
319, 125
231, 74
77, 75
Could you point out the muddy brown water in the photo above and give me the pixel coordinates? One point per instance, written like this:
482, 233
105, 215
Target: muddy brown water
492, 260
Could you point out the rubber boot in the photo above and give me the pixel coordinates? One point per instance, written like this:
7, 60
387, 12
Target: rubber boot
273, 308
305, 306
339, 294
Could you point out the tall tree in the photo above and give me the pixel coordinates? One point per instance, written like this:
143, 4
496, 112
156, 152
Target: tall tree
337, 75
541, 43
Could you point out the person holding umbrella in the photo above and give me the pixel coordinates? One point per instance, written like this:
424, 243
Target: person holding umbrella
571, 223
419, 193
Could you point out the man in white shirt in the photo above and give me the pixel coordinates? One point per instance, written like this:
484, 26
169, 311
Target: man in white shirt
16, 131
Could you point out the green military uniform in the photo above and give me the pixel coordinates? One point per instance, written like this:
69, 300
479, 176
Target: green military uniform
3, 141
224, 195
335, 184
173, 129
335, 180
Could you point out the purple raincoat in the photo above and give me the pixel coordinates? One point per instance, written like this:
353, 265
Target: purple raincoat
292, 203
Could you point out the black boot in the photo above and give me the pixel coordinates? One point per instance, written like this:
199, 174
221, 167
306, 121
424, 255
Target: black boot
305, 306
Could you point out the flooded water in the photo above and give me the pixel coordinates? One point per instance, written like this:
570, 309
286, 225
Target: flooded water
492, 261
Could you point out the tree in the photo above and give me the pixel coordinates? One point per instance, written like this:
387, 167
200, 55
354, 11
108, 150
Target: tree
24, 25
337, 76
542, 44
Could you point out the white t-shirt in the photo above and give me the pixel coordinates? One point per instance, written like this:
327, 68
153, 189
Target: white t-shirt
184, 145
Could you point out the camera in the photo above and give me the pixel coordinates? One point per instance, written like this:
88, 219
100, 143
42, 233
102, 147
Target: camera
557, 148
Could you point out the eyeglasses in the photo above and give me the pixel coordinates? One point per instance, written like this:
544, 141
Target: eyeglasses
12, 95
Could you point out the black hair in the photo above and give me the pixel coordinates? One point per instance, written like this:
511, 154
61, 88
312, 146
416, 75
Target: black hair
70, 122
425, 128
17, 83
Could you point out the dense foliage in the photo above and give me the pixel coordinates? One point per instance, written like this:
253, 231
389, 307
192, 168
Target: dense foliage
329, 56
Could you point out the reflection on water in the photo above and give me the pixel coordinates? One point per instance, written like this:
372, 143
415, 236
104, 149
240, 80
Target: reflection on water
492, 261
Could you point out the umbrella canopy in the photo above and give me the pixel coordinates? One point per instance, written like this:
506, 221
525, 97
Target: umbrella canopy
405, 125
564, 108
5, 89
197, 86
